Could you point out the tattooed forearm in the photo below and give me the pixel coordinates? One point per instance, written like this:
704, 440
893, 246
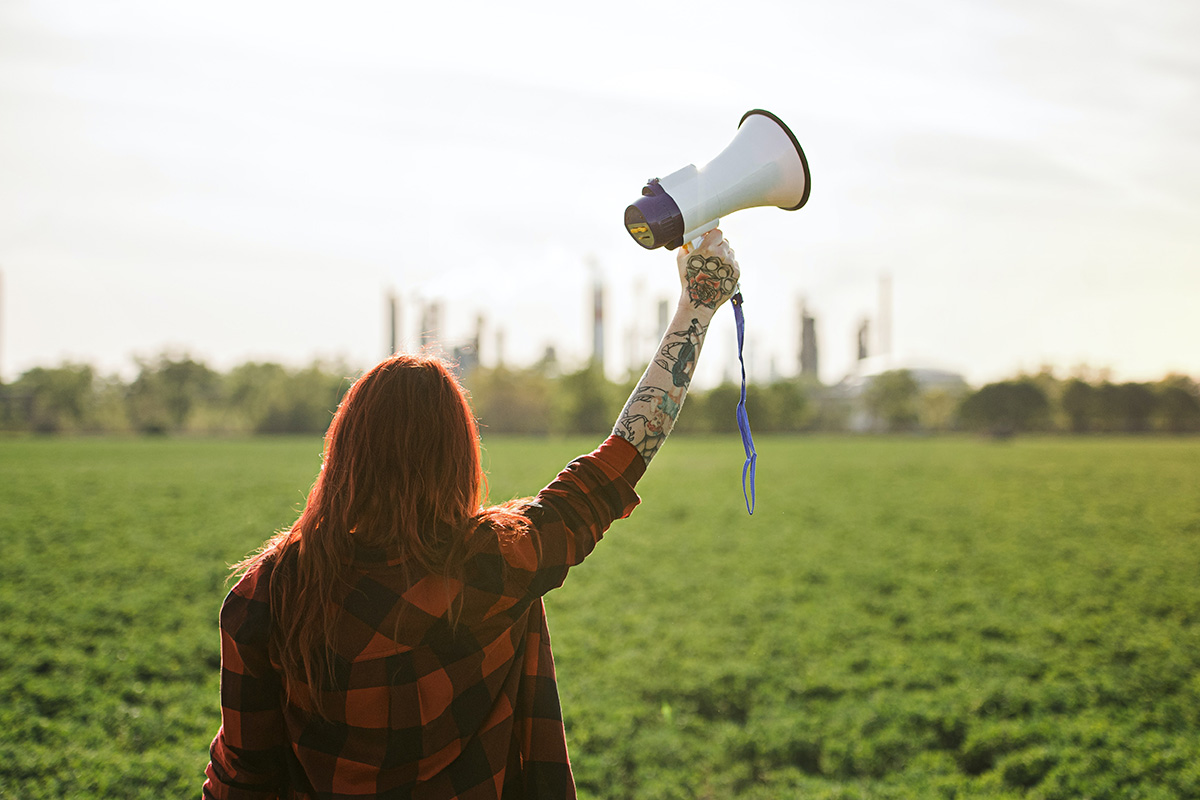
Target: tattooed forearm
654, 405
709, 277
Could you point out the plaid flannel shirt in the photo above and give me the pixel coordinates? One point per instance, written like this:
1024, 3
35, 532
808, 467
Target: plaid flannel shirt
430, 711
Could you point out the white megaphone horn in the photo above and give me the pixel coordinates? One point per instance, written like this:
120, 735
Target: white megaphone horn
762, 166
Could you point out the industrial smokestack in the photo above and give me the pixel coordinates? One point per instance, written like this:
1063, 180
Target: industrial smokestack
393, 324
809, 367
479, 323
885, 315
597, 319
430, 323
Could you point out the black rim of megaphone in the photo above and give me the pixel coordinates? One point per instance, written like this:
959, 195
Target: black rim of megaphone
799, 152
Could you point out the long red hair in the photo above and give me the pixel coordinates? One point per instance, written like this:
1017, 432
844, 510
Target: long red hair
401, 472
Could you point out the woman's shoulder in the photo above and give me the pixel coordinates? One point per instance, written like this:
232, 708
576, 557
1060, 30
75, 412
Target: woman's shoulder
248, 603
255, 577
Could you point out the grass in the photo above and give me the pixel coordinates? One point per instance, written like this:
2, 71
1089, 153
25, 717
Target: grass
900, 617
112, 570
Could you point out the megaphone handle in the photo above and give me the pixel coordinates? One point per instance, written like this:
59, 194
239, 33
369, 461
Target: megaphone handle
694, 243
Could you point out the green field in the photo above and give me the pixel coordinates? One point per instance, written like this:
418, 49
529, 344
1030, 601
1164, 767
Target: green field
901, 617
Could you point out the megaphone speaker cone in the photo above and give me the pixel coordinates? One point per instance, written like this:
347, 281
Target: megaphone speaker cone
803, 161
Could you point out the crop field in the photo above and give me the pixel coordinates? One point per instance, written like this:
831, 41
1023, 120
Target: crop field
901, 618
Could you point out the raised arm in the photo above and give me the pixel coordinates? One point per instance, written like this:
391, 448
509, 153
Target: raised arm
708, 276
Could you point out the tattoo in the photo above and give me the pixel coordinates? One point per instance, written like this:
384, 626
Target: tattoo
652, 409
709, 280
679, 358
648, 431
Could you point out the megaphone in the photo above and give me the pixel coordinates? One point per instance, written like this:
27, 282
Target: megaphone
763, 166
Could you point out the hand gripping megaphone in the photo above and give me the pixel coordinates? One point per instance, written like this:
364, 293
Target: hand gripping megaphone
762, 166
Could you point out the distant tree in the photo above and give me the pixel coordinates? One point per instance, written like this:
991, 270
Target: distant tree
1138, 403
1178, 408
782, 407
512, 401
318, 389
585, 402
1108, 407
938, 408
184, 383
166, 390
1079, 404
109, 411
1125, 407
270, 398
49, 400
892, 399
253, 391
1052, 387
9, 409
718, 412
832, 410
692, 417
1045, 380
1006, 408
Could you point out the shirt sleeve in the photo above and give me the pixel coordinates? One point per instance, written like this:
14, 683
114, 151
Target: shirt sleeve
247, 755
571, 514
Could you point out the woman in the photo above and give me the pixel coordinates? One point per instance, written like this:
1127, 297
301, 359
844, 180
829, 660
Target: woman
393, 642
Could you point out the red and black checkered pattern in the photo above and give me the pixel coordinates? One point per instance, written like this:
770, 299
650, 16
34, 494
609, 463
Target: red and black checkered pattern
421, 707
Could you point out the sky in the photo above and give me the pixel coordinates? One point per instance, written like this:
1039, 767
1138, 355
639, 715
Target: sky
249, 180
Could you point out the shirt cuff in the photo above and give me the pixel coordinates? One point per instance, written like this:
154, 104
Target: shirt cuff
620, 459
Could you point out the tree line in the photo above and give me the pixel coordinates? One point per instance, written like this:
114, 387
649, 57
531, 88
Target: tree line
176, 394
1038, 403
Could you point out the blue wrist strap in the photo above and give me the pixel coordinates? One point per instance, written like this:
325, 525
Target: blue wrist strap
742, 419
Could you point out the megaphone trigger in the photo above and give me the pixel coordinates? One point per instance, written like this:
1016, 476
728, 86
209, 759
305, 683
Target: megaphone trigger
694, 243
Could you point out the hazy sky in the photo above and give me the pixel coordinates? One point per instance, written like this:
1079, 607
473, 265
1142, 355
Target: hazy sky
247, 180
